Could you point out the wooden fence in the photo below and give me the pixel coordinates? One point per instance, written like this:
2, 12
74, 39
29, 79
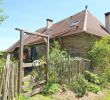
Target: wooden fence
8, 81
63, 72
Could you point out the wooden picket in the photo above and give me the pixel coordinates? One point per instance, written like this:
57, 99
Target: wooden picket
65, 70
62, 72
9, 81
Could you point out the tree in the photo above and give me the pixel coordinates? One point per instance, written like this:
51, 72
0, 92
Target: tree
2, 17
100, 55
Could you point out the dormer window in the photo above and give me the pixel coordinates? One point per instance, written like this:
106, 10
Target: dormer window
74, 23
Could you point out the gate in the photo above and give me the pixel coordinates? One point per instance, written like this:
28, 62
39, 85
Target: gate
32, 83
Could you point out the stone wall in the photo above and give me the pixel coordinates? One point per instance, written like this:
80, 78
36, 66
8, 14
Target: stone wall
78, 44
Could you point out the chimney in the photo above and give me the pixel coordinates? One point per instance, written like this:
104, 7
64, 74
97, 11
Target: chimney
49, 23
107, 21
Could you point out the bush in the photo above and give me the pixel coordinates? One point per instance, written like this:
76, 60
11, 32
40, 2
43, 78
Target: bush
51, 88
79, 85
56, 53
21, 97
93, 78
1, 53
93, 88
2, 62
107, 75
100, 55
105, 79
56, 56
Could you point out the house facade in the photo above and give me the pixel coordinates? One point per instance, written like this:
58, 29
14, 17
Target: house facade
76, 34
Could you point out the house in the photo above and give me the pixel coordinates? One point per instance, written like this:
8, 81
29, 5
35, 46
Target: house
76, 34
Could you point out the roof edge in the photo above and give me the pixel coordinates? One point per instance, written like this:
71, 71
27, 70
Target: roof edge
85, 21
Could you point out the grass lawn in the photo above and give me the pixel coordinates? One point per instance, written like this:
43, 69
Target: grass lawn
107, 95
41, 97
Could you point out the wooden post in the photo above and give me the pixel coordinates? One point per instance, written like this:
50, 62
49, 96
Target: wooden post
47, 58
20, 62
8, 58
21, 54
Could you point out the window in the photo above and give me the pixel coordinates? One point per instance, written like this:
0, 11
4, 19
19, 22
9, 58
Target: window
74, 23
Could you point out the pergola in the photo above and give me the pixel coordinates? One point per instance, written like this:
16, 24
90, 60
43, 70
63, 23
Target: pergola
20, 72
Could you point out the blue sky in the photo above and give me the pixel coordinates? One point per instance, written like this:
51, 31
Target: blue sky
32, 14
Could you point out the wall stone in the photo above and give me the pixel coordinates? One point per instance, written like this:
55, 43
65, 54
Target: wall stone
78, 45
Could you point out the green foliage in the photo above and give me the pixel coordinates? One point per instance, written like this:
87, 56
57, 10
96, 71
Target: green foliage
105, 78
1, 53
107, 75
2, 17
2, 60
100, 55
51, 88
79, 85
21, 97
93, 88
93, 78
41, 97
13, 60
56, 54
64, 87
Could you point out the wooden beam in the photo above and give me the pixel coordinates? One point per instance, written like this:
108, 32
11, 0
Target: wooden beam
27, 65
20, 69
33, 33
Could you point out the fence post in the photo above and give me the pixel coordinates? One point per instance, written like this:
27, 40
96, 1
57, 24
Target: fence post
69, 73
20, 62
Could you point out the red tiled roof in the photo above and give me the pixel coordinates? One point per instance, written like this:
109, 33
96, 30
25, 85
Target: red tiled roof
95, 27
65, 25
87, 23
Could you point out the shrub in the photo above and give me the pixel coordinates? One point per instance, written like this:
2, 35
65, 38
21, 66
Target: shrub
1, 53
93, 88
79, 85
56, 53
2, 62
93, 78
105, 79
64, 87
21, 97
56, 56
100, 55
51, 88
107, 75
